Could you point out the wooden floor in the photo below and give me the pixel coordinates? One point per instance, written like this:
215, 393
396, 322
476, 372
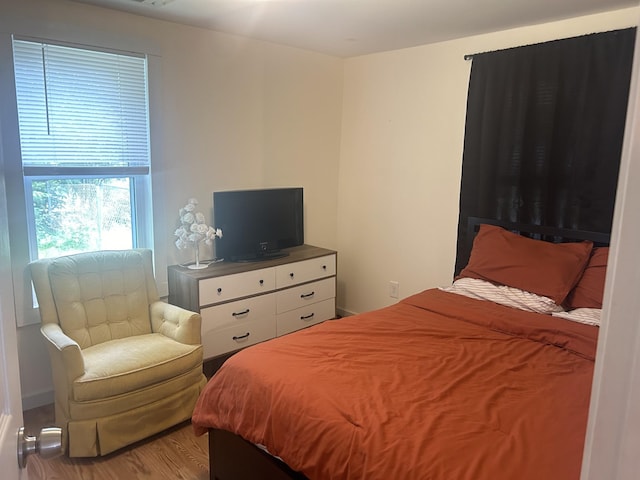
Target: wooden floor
175, 454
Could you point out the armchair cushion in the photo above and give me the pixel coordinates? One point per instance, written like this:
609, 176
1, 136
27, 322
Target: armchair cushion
99, 297
128, 364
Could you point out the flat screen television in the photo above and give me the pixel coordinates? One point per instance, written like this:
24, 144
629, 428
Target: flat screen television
258, 224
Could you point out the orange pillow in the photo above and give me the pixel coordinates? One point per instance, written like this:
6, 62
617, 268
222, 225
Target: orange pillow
544, 268
589, 291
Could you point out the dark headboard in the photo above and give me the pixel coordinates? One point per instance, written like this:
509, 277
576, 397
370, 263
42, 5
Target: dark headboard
538, 232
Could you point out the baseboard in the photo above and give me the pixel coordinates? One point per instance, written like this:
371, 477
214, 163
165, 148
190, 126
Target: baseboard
344, 313
36, 400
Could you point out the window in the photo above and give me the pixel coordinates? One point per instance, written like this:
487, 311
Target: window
84, 138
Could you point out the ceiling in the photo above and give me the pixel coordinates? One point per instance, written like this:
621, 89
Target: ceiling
346, 28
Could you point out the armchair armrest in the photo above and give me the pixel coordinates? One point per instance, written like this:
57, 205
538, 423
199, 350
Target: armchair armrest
176, 322
65, 353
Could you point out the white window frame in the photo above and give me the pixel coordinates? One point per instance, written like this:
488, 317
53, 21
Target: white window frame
140, 196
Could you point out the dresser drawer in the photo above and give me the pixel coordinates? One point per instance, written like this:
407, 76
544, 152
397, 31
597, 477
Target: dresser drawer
305, 271
296, 297
306, 316
221, 289
236, 325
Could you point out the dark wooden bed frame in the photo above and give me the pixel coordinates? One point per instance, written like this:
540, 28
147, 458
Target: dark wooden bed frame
233, 458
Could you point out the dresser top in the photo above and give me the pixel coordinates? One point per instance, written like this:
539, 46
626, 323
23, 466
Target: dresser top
295, 254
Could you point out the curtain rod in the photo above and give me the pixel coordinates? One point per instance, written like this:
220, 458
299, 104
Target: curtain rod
469, 56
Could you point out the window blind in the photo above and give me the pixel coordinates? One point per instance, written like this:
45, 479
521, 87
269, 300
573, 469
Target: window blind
81, 109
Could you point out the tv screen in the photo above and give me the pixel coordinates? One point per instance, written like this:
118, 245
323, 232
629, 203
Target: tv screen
257, 224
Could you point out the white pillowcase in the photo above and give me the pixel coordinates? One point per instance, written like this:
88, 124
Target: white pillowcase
503, 295
590, 316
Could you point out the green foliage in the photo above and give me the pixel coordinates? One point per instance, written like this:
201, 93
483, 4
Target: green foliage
78, 215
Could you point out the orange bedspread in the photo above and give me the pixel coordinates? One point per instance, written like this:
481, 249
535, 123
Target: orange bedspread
437, 386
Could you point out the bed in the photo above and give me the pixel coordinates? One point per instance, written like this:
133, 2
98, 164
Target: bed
488, 378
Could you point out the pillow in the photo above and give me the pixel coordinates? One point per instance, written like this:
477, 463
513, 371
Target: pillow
589, 291
589, 316
544, 268
504, 295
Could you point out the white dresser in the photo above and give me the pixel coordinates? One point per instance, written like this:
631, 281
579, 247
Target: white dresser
245, 303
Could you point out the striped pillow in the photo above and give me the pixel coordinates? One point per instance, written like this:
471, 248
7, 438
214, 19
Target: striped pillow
503, 295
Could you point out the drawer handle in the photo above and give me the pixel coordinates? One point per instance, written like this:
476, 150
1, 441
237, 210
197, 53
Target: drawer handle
324, 267
261, 282
307, 295
240, 337
219, 290
307, 317
291, 275
239, 314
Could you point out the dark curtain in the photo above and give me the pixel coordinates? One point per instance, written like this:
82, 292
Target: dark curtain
543, 134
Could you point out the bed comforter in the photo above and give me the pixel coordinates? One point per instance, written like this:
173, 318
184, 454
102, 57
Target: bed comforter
438, 386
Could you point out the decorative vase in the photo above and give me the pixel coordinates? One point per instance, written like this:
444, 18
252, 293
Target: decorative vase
198, 265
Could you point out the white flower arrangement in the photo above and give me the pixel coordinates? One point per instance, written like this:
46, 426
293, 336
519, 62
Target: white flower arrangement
193, 229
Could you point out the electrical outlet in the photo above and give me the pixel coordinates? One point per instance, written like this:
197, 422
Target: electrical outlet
393, 289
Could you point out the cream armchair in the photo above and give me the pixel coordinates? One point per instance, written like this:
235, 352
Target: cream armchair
125, 365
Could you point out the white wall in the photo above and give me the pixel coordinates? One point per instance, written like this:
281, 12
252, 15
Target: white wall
226, 113
401, 159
